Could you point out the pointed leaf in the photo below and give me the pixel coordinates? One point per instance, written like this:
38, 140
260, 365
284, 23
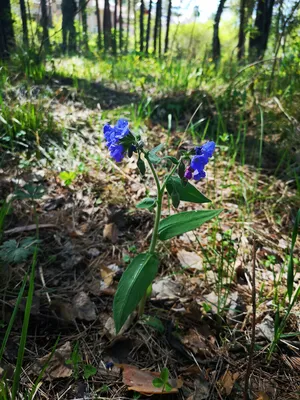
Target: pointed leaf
141, 166
184, 222
133, 285
172, 159
290, 274
181, 169
152, 154
146, 203
186, 193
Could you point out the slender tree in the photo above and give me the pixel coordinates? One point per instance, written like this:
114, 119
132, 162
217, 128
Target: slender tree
7, 39
24, 23
259, 39
107, 25
242, 30
99, 38
69, 10
128, 24
135, 25
148, 27
120, 27
157, 27
45, 23
142, 11
115, 26
83, 11
216, 46
168, 26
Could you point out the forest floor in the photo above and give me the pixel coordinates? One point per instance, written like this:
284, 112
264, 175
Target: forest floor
199, 319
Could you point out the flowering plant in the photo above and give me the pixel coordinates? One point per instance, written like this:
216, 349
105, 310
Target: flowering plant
136, 281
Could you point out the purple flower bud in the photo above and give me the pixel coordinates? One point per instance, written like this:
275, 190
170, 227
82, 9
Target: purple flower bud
188, 173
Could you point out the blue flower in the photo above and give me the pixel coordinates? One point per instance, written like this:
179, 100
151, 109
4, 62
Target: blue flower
113, 135
199, 161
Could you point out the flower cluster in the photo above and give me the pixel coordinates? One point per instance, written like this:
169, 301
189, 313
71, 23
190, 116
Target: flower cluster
199, 161
114, 135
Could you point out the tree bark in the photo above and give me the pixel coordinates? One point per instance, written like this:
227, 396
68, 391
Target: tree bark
68, 25
99, 38
120, 27
168, 26
148, 27
24, 23
157, 26
259, 39
7, 39
142, 10
242, 34
82, 7
128, 24
107, 26
216, 46
115, 26
45, 24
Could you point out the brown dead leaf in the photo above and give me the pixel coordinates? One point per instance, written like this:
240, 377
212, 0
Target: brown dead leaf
263, 396
141, 381
107, 274
227, 381
110, 232
57, 367
198, 343
190, 260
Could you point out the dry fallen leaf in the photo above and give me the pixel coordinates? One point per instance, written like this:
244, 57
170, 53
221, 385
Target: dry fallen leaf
84, 308
190, 260
110, 232
141, 381
227, 381
263, 396
107, 274
57, 367
198, 343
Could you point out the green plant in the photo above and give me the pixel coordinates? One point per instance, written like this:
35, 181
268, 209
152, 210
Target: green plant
13, 252
163, 381
133, 286
79, 366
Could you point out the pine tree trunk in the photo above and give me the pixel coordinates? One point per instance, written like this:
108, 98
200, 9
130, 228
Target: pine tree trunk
216, 47
148, 27
259, 39
135, 25
107, 26
68, 25
7, 39
168, 26
82, 7
24, 23
120, 27
128, 25
142, 10
45, 23
99, 38
156, 26
115, 26
242, 34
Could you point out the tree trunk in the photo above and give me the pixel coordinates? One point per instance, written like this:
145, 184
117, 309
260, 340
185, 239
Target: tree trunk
45, 23
24, 23
82, 7
120, 27
128, 25
99, 39
168, 26
135, 25
107, 26
68, 25
216, 47
259, 39
148, 27
142, 10
115, 26
157, 26
242, 34
7, 39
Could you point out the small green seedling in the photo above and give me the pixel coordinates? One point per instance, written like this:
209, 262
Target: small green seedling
163, 381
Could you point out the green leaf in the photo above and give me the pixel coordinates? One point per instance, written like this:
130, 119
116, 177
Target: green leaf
88, 371
13, 252
172, 191
133, 285
168, 387
141, 166
173, 159
146, 203
181, 170
184, 222
152, 154
186, 193
157, 382
164, 375
154, 323
290, 274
